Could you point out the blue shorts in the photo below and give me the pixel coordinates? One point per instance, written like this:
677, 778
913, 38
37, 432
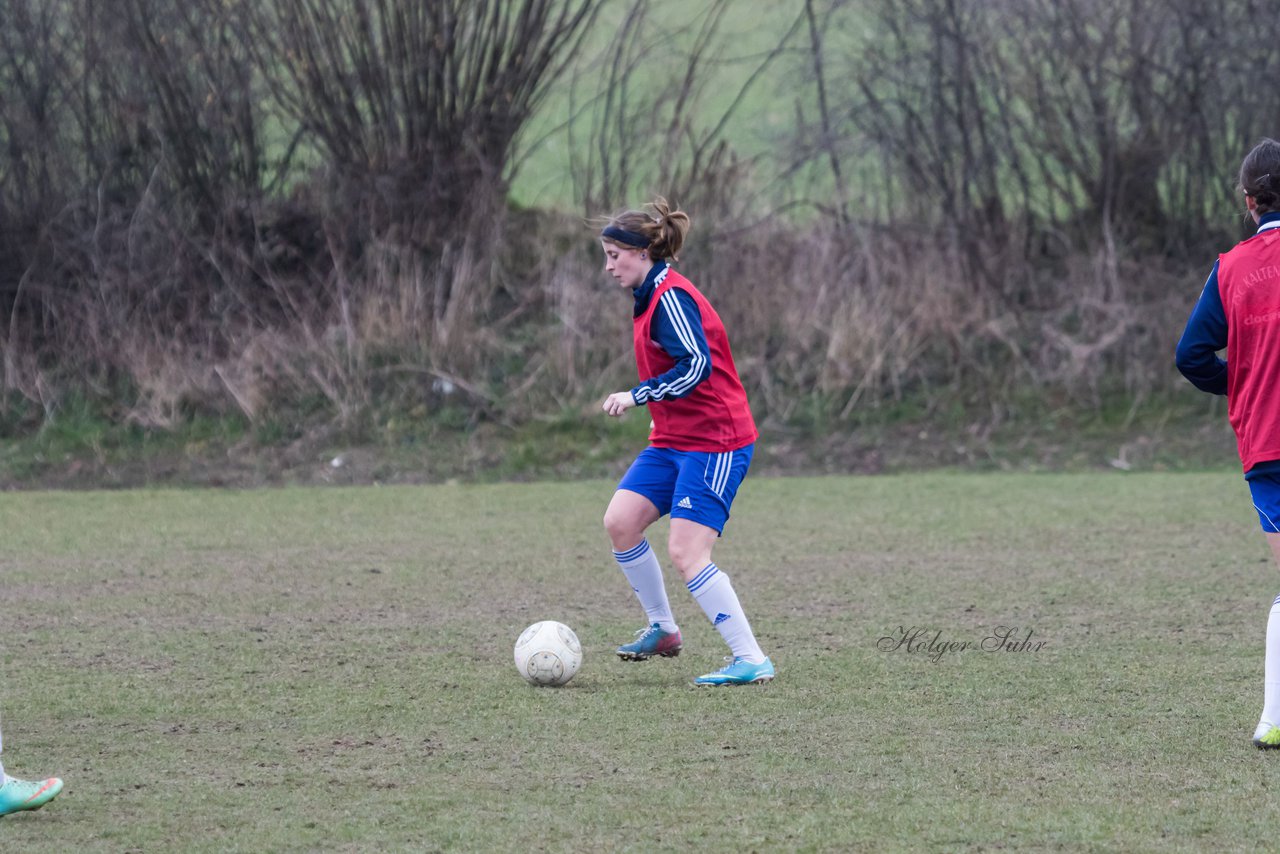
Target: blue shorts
1265, 489
690, 485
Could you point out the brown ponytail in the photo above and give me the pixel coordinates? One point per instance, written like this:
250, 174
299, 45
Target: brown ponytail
672, 227
662, 233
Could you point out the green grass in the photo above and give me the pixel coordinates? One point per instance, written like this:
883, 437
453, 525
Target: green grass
391, 445
86, 437
744, 38
331, 670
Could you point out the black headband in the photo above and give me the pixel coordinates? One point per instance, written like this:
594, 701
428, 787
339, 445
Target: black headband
629, 238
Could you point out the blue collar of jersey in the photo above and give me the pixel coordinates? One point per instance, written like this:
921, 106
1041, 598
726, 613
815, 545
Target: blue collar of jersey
1268, 221
652, 279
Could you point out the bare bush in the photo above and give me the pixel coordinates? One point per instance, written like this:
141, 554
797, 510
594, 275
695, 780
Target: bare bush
1113, 121
650, 129
416, 107
148, 149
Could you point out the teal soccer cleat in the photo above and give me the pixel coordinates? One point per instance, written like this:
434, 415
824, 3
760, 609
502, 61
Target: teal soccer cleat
738, 671
650, 642
18, 795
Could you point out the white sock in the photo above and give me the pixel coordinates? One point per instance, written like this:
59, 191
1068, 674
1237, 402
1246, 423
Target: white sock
714, 593
644, 573
1271, 669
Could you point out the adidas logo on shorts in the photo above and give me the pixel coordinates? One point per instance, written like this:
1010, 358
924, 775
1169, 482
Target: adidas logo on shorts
685, 503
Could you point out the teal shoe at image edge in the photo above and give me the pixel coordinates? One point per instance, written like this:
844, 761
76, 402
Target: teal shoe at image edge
18, 795
738, 672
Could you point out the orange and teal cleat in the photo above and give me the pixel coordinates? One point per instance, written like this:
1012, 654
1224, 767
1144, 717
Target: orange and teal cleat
18, 795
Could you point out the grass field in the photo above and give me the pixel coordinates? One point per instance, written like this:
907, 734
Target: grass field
330, 669
742, 41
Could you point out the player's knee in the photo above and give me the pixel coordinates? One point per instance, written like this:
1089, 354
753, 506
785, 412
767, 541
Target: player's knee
620, 528
688, 558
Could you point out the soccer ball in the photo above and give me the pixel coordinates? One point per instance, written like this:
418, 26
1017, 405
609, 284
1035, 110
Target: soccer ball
548, 653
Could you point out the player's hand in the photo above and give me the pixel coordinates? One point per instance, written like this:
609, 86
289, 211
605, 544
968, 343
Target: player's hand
618, 403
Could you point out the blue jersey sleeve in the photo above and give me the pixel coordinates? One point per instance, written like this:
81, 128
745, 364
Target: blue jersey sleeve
677, 327
1205, 335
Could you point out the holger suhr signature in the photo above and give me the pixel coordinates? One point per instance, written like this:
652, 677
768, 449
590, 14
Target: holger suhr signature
931, 644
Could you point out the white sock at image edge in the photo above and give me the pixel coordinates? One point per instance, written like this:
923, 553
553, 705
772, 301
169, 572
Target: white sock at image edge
1271, 673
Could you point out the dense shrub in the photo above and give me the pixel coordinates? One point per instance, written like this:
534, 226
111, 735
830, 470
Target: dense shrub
226, 207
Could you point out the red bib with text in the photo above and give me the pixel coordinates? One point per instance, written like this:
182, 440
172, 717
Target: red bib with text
1249, 284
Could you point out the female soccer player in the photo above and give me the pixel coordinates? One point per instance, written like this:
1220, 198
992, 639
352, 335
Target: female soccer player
18, 795
699, 449
1239, 309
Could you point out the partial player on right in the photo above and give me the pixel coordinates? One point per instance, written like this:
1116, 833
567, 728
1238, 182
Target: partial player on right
1239, 309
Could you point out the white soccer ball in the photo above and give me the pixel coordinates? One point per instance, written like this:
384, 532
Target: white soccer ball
548, 653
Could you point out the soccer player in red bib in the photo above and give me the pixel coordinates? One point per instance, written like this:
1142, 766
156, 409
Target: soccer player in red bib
1239, 309
699, 447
